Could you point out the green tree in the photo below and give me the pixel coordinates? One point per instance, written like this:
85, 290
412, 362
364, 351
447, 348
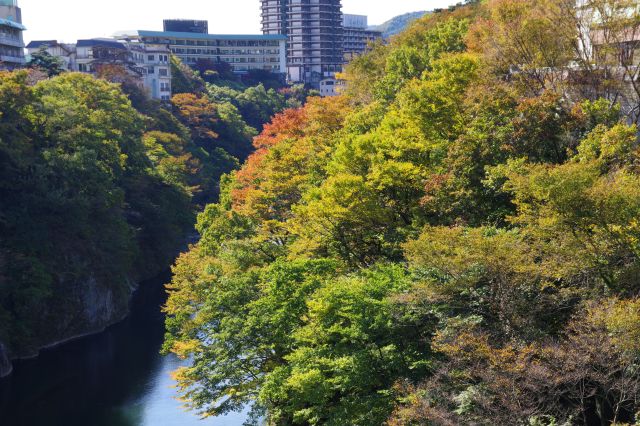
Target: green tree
354, 345
248, 322
81, 205
43, 60
184, 79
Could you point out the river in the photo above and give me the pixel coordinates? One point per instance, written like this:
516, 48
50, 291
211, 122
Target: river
115, 378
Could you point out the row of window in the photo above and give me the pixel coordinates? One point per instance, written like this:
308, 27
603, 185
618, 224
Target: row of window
161, 58
237, 66
230, 43
162, 72
274, 68
236, 60
181, 51
225, 51
10, 34
10, 51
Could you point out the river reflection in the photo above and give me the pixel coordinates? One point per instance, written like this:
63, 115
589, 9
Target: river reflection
116, 378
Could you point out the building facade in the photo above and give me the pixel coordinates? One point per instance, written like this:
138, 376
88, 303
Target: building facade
314, 33
356, 36
609, 34
147, 64
65, 52
11, 40
242, 53
331, 87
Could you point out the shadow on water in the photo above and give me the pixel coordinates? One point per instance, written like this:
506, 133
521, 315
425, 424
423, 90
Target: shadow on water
116, 378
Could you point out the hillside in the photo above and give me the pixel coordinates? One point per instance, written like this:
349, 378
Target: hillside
99, 185
397, 24
447, 243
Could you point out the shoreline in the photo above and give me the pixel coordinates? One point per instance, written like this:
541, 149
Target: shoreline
190, 239
78, 336
61, 342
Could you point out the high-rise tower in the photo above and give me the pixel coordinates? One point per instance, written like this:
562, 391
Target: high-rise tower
11, 28
314, 32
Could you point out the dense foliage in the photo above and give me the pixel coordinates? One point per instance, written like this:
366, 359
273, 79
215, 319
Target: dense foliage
454, 240
99, 184
224, 113
81, 201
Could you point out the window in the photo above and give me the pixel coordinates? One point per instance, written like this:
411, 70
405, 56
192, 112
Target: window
163, 72
165, 87
151, 58
151, 70
626, 53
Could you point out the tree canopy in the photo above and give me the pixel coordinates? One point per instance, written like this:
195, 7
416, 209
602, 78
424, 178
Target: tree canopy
454, 240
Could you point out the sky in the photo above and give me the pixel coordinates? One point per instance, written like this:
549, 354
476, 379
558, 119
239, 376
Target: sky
70, 20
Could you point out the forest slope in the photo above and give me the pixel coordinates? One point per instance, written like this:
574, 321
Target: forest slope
454, 240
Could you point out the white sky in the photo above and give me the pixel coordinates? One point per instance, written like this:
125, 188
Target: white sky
69, 20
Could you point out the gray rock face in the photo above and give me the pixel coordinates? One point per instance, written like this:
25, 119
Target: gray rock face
81, 308
87, 307
99, 305
5, 363
93, 307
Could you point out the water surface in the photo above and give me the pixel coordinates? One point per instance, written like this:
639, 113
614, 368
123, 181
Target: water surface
116, 378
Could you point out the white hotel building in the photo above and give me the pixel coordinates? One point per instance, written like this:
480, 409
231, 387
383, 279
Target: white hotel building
147, 63
242, 52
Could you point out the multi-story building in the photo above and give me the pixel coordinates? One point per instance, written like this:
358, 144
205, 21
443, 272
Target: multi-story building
356, 35
241, 52
331, 87
153, 63
11, 28
65, 52
609, 33
314, 32
148, 64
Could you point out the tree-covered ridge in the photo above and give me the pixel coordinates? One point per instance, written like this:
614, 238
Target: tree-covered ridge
397, 24
81, 202
99, 185
452, 241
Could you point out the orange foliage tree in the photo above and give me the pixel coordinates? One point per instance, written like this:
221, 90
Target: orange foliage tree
286, 151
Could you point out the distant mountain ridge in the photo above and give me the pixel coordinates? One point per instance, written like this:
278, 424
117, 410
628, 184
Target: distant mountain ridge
397, 24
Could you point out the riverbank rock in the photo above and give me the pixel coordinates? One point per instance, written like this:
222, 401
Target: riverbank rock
5, 363
78, 308
90, 307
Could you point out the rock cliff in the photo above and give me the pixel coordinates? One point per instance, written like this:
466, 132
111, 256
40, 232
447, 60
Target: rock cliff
5, 363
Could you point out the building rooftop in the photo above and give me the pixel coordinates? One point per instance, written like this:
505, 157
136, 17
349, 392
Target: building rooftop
12, 24
355, 21
99, 42
174, 34
38, 44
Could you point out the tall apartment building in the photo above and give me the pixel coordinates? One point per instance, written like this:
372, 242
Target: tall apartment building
11, 28
241, 52
356, 36
314, 33
148, 64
